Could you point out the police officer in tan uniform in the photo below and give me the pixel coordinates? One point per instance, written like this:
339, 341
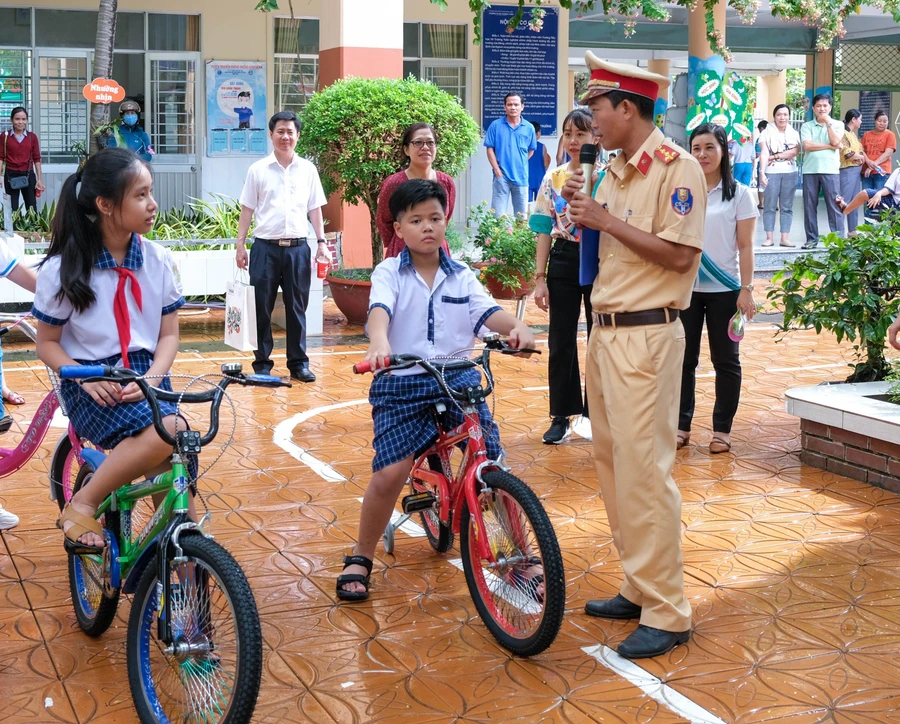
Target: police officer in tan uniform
649, 210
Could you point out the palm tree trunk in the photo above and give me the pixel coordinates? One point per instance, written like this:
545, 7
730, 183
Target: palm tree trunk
103, 62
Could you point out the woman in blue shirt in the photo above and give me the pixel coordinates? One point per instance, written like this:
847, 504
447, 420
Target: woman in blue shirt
133, 136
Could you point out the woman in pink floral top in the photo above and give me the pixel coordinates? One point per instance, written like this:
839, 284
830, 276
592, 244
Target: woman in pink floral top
420, 146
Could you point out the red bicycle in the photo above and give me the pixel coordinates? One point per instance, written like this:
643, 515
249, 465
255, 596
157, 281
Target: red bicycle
510, 554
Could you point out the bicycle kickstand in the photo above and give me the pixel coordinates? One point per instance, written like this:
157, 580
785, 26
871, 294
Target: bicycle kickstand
390, 529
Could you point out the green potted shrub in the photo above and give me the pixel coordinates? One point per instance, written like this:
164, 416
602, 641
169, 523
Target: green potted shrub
506, 253
352, 131
850, 290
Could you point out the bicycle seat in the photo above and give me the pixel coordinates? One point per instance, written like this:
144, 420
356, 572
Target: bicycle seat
93, 458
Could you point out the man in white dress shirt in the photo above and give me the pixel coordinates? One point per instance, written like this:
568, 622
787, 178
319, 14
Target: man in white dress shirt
282, 189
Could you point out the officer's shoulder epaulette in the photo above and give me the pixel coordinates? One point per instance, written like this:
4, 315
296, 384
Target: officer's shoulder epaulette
666, 152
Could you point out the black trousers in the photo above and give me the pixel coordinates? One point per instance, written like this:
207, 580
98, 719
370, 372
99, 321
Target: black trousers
567, 297
288, 267
718, 308
28, 193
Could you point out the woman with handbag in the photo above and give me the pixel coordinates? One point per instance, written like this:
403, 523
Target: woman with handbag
20, 161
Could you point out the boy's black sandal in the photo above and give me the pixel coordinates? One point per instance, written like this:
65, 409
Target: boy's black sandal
346, 578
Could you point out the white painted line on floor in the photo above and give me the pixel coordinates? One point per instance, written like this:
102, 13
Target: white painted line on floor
511, 595
284, 431
413, 530
652, 686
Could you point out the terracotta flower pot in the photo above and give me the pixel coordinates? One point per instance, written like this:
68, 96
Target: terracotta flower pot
498, 291
351, 297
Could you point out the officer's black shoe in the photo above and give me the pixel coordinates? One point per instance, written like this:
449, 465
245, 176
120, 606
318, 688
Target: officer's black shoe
618, 608
646, 642
810, 245
304, 374
559, 431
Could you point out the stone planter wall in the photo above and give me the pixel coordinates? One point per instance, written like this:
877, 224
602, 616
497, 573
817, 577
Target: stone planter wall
851, 455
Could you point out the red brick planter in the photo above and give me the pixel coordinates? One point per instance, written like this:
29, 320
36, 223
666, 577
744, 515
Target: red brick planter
851, 455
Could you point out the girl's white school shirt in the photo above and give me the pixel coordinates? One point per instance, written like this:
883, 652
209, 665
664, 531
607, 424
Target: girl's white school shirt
92, 334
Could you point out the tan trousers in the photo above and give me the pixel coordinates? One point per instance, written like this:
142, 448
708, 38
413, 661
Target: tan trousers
633, 387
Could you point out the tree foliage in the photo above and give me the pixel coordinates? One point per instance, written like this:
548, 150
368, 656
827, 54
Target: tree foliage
353, 128
851, 290
826, 15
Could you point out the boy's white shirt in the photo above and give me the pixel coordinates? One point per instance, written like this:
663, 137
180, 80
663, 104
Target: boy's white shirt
430, 322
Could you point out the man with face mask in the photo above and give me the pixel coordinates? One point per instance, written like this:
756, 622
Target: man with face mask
130, 133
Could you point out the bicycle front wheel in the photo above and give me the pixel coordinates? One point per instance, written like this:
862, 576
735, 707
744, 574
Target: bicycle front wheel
212, 670
521, 594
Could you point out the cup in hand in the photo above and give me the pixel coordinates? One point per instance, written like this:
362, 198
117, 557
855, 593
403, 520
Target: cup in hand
322, 269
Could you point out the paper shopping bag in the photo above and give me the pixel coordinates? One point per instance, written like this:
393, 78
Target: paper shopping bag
240, 316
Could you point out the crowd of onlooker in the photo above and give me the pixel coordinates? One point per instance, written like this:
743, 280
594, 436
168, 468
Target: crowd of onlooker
827, 159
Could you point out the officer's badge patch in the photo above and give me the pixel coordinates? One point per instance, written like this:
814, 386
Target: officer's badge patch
682, 201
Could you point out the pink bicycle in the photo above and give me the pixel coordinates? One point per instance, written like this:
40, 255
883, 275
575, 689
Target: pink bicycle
67, 458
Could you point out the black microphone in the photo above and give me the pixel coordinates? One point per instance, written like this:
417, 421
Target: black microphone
587, 157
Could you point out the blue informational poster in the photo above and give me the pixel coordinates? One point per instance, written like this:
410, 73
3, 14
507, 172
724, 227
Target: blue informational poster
239, 141
523, 61
869, 103
258, 141
235, 100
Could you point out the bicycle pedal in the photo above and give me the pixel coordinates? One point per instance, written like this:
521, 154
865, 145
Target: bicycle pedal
415, 502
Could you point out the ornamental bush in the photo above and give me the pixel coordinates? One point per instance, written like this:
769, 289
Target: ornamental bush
353, 128
852, 290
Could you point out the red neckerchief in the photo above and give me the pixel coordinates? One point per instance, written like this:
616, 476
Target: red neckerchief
120, 309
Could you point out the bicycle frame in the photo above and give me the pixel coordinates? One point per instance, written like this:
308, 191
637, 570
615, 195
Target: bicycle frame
13, 460
129, 554
463, 486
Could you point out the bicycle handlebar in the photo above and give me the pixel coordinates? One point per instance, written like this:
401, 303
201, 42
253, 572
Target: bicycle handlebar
406, 361
120, 375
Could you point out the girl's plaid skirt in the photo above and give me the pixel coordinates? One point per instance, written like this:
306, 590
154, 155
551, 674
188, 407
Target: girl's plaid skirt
402, 413
106, 427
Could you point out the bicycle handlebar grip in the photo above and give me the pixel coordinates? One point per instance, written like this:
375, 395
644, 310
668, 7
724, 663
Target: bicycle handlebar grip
75, 372
361, 368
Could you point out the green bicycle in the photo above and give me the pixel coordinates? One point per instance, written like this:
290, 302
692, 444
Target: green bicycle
194, 647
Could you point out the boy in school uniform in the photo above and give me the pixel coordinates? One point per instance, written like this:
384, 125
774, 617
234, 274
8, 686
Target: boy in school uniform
423, 303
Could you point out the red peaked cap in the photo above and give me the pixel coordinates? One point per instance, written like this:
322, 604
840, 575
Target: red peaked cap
606, 77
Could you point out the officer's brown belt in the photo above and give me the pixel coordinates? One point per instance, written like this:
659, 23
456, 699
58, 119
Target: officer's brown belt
636, 319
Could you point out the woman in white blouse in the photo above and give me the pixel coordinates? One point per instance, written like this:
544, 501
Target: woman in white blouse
724, 285
779, 145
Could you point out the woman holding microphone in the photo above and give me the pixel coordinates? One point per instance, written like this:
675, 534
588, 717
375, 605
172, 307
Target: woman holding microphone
557, 287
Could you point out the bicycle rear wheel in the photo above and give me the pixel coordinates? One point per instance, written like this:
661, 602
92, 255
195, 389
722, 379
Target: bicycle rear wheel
93, 598
212, 671
507, 593
440, 536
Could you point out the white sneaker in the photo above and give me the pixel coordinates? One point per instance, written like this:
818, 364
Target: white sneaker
582, 428
7, 519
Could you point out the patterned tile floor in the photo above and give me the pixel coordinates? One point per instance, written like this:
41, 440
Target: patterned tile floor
792, 572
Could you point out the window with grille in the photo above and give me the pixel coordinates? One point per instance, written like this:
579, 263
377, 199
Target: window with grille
438, 52
296, 62
172, 106
867, 66
15, 83
64, 111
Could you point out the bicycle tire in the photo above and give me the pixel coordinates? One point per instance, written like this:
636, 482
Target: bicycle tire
440, 536
95, 605
206, 560
62, 468
543, 616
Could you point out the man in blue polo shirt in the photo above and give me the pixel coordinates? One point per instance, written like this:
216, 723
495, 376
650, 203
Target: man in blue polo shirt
510, 143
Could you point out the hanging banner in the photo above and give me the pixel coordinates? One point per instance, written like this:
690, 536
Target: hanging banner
236, 108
